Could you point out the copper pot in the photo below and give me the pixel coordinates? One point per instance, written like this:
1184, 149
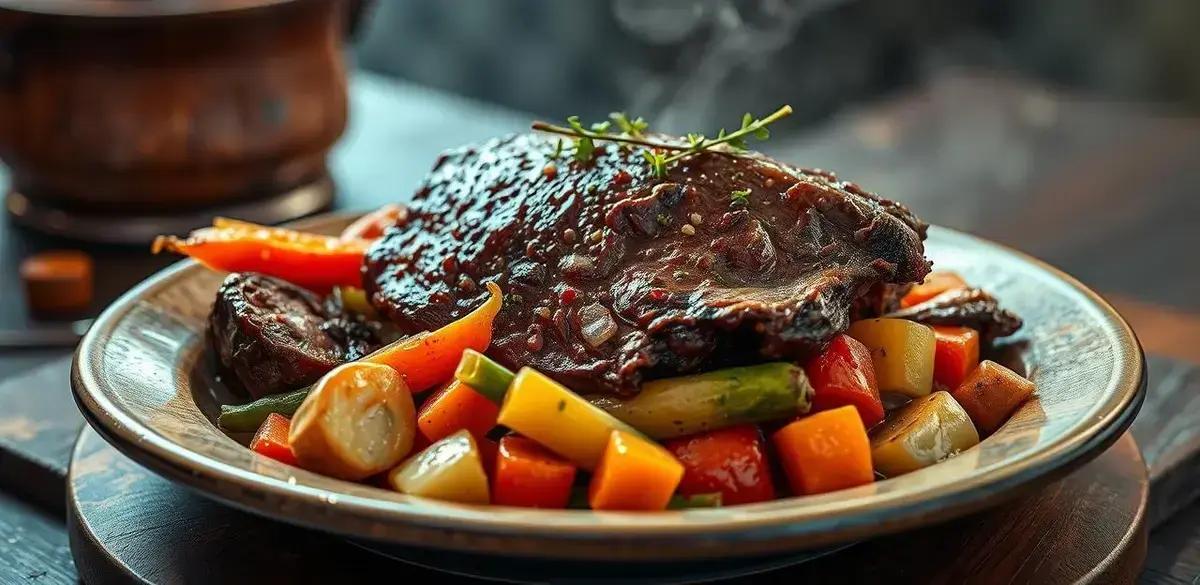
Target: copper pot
164, 112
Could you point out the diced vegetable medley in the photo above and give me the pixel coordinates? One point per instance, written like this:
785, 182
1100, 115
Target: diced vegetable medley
426, 413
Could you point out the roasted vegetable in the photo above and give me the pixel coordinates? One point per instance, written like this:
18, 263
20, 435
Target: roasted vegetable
453, 408
313, 261
528, 475
730, 462
935, 284
633, 474
358, 421
354, 300
825, 451
372, 225
484, 375
991, 393
676, 407
272, 439
679, 502
450, 469
428, 359
901, 352
562, 421
247, 417
844, 374
923, 432
956, 353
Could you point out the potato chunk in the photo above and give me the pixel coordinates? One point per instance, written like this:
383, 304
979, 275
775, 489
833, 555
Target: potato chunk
902, 352
925, 431
358, 420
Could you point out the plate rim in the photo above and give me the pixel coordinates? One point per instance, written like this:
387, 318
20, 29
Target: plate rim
764, 528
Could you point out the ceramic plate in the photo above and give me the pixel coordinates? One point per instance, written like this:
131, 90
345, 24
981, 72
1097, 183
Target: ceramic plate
144, 380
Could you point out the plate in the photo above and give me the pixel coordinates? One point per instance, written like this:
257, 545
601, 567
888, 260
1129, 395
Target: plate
143, 379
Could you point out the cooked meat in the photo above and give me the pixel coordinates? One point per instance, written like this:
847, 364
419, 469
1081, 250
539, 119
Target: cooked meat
273, 336
969, 307
613, 275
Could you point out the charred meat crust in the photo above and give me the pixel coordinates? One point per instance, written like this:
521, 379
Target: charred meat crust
969, 307
274, 336
612, 275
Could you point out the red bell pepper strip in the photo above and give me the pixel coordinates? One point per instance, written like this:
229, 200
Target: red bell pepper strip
310, 260
373, 224
844, 374
272, 439
428, 359
935, 284
730, 461
955, 354
456, 407
530, 476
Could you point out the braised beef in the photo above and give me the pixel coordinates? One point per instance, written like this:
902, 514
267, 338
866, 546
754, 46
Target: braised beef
612, 275
273, 336
970, 307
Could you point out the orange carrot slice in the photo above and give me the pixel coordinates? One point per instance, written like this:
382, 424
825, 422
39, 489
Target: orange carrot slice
825, 452
634, 474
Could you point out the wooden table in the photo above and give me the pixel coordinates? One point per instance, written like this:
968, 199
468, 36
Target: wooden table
1105, 192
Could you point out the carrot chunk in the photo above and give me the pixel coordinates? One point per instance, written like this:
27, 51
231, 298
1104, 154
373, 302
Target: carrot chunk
991, 393
530, 476
826, 451
633, 474
935, 284
272, 439
456, 407
956, 353
428, 359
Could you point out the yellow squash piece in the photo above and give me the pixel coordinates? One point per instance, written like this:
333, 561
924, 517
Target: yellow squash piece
450, 469
902, 352
562, 421
925, 431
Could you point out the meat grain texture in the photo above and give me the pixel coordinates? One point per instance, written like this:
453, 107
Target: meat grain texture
613, 276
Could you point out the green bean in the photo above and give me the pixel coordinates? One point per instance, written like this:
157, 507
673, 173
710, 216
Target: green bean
248, 417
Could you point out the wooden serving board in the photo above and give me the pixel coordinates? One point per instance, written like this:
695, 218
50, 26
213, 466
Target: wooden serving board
128, 525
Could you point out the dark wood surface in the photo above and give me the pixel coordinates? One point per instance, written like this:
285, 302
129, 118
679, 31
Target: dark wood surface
1104, 191
1087, 528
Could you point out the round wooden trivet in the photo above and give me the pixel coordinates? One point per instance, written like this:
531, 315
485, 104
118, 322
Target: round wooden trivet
127, 525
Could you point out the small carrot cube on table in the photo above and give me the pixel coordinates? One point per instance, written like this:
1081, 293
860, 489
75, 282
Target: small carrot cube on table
633, 474
825, 452
527, 474
991, 393
272, 439
956, 353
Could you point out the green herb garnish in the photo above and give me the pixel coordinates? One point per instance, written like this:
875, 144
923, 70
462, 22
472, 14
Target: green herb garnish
632, 133
739, 197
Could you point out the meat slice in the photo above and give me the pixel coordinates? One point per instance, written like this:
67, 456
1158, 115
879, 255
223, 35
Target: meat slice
613, 276
970, 307
273, 336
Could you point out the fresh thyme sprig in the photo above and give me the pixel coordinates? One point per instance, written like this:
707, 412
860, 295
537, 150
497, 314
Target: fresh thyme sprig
632, 133
739, 197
